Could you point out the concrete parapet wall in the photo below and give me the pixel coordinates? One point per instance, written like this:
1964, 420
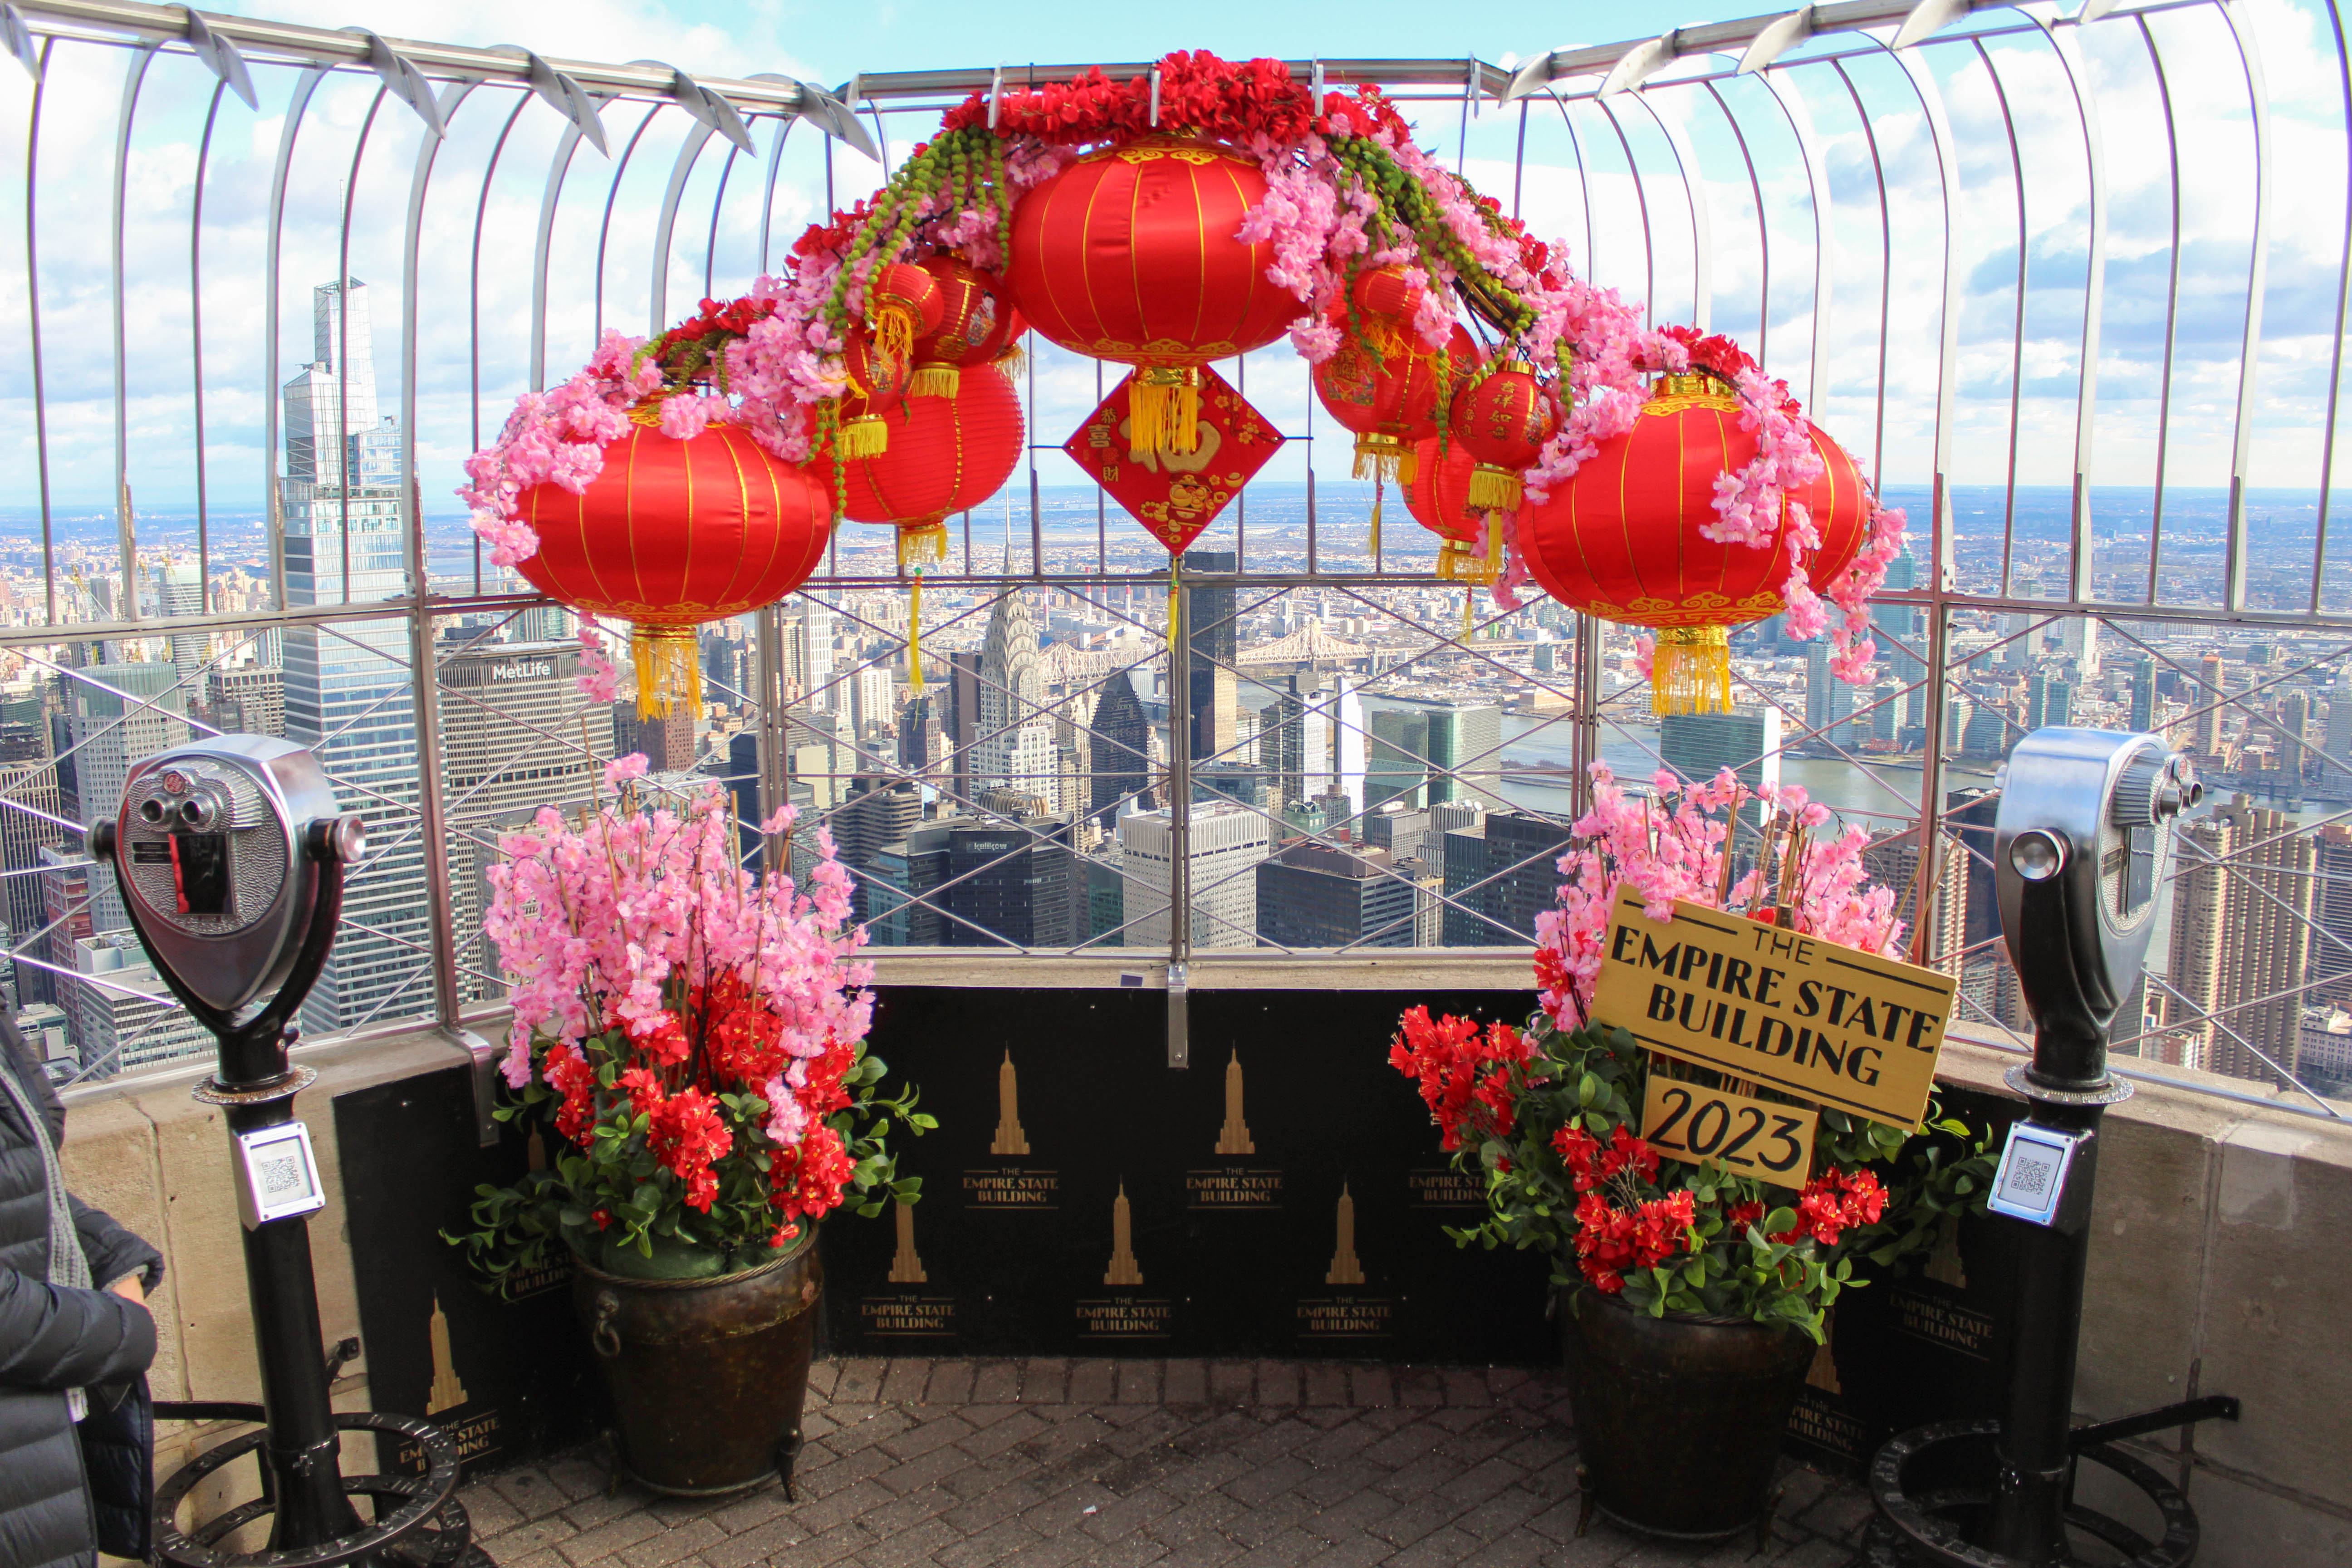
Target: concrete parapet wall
2223, 1257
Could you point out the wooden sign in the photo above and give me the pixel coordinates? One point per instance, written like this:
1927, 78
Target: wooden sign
1702, 1126
1829, 1023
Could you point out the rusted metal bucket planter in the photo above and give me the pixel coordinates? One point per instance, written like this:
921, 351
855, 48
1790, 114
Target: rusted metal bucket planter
707, 1375
1678, 1419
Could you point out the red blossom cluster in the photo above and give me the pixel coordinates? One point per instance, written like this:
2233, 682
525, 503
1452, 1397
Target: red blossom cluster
1721, 357
806, 1180
688, 1135
1832, 1201
1589, 1165
1198, 91
1610, 1240
1465, 1077
743, 1037
569, 1074
733, 318
833, 238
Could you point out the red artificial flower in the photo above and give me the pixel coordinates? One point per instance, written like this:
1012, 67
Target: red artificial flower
688, 1135
569, 1074
664, 1041
1742, 1216
1610, 1240
1834, 1200
1466, 1078
1591, 1164
806, 1180
603, 1218
645, 1091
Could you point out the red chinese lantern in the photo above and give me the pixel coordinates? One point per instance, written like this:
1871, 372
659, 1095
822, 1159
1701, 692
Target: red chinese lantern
977, 323
1503, 419
1129, 255
1621, 539
673, 533
947, 455
1388, 294
903, 302
1388, 394
1438, 496
876, 387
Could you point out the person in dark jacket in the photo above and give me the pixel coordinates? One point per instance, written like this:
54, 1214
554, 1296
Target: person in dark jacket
75, 1343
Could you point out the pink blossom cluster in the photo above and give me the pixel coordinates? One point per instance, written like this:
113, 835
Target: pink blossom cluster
555, 437
612, 919
1670, 845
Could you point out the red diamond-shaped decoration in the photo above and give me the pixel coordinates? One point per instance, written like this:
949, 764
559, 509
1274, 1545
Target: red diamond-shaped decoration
1177, 496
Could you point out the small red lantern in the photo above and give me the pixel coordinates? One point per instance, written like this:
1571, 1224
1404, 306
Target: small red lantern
671, 534
1388, 395
1389, 294
1503, 420
1129, 255
976, 325
1621, 539
1438, 495
903, 303
946, 455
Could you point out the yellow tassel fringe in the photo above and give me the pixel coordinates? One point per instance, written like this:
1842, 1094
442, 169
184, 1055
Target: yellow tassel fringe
1377, 489
1163, 409
1012, 362
1380, 457
1690, 670
1459, 562
1494, 490
922, 544
669, 669
915, 635
894, 334
867, 436
935, 381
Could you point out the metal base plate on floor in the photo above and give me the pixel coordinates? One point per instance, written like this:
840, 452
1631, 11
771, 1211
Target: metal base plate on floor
1917, 1531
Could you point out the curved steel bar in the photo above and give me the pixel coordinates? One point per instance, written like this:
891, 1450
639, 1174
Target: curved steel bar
768, 191
710, 241
196, 339
1701, 215
33, 318
1784, 91
2017, 322
1939, 128
425, 690
270, 412
473, 296
557, 166
612, 198
126, 532
1885, 271
680, 171
343, 339
2335, 351
2233, 587
1642, 203
1584, 179
2171, 308
1763, 230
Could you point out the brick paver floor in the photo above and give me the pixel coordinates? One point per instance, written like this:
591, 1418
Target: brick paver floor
1193, 1464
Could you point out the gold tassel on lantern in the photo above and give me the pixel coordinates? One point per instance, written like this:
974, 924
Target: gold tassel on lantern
867, 436
669, 669
1493, 548
1376, 520
914, 632
1381, 456
894, 324
1459, 560
1494, 490
1012, 362
1163, 406
922, 544
1690, 670
935, 381
1469, 614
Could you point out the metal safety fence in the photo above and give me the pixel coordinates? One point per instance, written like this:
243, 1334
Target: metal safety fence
1979, 242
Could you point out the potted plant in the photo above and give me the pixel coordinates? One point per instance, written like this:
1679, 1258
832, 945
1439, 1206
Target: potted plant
693, 1038
1693, 1297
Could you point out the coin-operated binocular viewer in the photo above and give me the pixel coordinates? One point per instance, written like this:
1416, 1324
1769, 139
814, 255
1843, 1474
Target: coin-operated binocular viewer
2081, 847
231, 854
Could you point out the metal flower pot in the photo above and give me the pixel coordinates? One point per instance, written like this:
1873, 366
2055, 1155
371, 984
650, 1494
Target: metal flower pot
1678, 1419
707, 1375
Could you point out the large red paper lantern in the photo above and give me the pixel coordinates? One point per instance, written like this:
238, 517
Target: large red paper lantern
1438, 497
977, 323
1387, 394
1129, 255
1503, 420
673, 533
946, 455
1621, 539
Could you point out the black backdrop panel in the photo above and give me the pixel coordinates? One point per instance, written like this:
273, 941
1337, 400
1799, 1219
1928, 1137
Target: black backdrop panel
507, 1376
1284, 1195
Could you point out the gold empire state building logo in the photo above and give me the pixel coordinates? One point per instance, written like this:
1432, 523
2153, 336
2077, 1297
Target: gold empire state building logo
1236, 1137
447, 1393
1345, 1269
1123, 1269
1010, 1139
906, 1268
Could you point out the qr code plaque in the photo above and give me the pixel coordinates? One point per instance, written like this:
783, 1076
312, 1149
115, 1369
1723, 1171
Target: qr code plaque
2030, 1178
282, 1175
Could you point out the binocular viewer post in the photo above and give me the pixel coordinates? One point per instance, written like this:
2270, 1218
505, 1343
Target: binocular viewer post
230, 854
2082, 844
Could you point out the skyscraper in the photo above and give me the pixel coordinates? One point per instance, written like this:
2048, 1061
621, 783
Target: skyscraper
1015, 746
2243, 908
120, 712
1398, 766
1117, 748
1211, 649
350, 691
1829, 702
1317, 895
2331, 942
1698, 746
1465, 754
1500, 872
2143, 695
1223, 841
2205, 704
